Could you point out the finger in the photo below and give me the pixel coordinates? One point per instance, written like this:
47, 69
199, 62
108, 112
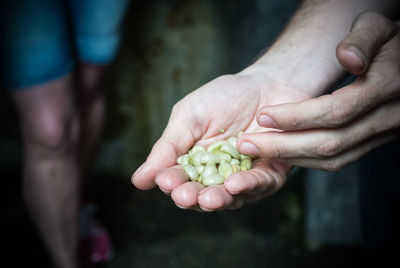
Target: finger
321, 143
185, 195
369, 32
169, 178
264, 179
216, 197
339, 162
175, 141
328, 111
380, 84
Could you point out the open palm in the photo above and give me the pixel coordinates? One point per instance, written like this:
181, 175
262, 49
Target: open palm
229, 103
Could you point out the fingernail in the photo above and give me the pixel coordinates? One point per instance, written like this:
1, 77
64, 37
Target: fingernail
357, 51
181, 207
248, 148
205, 209
357, 58
266, 121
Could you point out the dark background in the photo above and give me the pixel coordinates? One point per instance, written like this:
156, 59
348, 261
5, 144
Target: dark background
169, 49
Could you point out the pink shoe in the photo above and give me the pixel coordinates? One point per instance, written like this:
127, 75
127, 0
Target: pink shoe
95, 240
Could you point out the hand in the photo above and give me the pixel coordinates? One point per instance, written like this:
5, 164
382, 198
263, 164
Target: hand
332, 131
230, 103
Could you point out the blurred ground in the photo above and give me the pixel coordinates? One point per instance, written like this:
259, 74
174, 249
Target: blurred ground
149, 231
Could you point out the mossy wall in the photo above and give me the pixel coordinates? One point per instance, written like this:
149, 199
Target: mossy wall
170, 49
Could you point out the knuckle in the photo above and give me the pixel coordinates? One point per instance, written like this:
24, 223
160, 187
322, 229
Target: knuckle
383, 26
368, 97
363, 134
297, 118
339, 113
277, 151
368, 15
176, 108
333, 165
375, 17
225, 79
330, 146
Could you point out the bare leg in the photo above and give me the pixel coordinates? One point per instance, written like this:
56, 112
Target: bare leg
49, 124
91, 105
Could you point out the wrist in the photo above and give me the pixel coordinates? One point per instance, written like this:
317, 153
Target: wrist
304, 56
307, 74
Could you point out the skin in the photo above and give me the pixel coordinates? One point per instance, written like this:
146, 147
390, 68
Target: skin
294, 69
53, 165
332, 131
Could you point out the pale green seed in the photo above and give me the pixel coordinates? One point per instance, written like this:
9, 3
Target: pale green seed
200, 169
191, 172
240, 133
185, 160
235, 162
223, 157
243, 157
198, 148
196, 158
246, 163
232, 141
209, 158
213, 165
213, 180
228, 148
179, 160
209, 170
215, 146
225, 170
235, 168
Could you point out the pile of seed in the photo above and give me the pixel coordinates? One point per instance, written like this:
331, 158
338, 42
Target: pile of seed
213, 165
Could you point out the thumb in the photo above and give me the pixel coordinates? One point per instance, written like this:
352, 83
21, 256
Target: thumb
368, 33
175, 141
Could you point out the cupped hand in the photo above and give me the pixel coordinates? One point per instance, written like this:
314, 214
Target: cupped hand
229, 103
332, 131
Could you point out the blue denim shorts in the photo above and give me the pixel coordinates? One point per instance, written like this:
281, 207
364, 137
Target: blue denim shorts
42, 39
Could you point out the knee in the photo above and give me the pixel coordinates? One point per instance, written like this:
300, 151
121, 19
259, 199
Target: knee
53, 136
90, 80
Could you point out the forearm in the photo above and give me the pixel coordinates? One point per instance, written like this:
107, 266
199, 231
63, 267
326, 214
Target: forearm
304, 54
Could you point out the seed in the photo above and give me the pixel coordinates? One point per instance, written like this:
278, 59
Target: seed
225, 170
200, 169
228, 148
223, 156
235, 168
215, 146
209, 158
191, 172
243, 157
246, 163
213, 165
235, 162
185, 160
232, 141
209, 170
198, 148
213, 180
196, 158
